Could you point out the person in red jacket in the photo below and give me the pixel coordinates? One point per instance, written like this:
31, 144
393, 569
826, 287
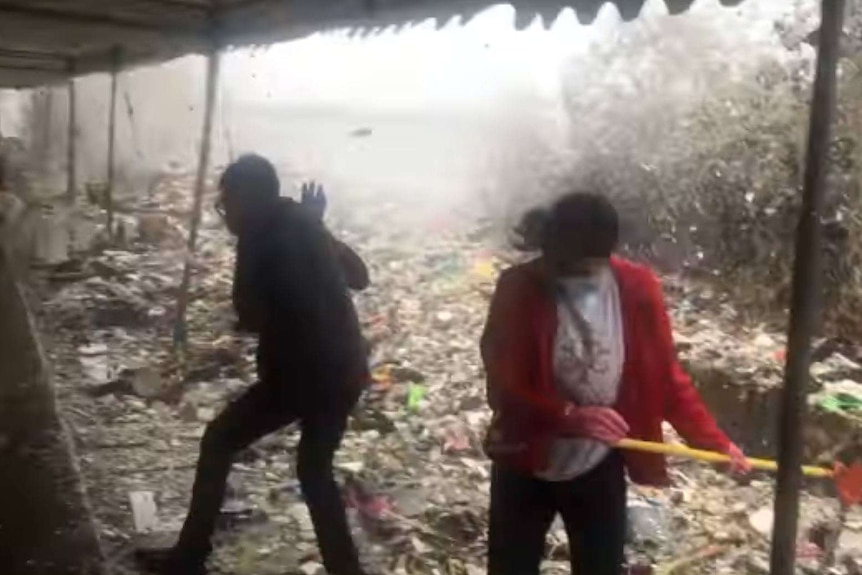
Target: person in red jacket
579, 354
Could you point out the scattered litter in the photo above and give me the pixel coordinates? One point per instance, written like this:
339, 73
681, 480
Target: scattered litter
312, 568
412, 472
415, 395
762, 521
840, 402
144, 511
687, 560
351, 466
148, 383
647, 522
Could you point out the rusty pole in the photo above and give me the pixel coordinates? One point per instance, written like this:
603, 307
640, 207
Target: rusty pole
804, 306
112, 137
71, 144
212, 79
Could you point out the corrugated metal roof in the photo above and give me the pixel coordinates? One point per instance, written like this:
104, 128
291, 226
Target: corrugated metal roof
40, 40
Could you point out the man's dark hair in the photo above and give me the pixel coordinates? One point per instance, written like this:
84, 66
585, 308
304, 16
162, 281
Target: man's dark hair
589, 218
251, 178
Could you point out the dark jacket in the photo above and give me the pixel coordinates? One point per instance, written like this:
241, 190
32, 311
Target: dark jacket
517, 350
291, 288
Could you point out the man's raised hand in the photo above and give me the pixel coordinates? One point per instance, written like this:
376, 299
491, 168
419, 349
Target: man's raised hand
313, 198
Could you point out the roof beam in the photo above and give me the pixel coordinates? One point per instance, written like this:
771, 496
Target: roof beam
39, 56
238, 5
202, 5
31, 68
92, 18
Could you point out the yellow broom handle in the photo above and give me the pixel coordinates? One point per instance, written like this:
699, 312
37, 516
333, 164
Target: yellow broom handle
711, 456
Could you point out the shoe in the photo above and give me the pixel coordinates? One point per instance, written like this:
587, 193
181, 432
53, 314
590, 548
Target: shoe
168, 562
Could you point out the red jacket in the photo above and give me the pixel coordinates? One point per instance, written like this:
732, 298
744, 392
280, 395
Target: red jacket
517, 350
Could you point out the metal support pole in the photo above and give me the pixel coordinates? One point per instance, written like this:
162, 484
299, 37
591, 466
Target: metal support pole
71, 144
112, 136
804, 307
213, 68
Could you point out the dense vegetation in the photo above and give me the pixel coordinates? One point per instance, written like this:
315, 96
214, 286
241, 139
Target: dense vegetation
705, 162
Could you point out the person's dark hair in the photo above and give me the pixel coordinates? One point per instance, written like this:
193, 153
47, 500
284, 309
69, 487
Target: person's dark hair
251, 178
588, 217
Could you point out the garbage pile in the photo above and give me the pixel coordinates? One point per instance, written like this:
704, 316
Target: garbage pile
411, 465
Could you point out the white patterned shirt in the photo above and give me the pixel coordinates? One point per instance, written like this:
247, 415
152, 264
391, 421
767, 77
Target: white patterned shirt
596, 300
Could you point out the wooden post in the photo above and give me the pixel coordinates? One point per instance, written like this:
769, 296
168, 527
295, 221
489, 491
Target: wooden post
213, 68
804, 306
112, 136
71, 145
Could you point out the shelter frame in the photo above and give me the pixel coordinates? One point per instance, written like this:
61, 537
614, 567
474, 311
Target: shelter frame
805, 298
72, 133
212, 79
805, 304
112, 141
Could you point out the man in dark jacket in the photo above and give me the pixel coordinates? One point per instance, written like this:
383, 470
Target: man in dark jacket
291, 289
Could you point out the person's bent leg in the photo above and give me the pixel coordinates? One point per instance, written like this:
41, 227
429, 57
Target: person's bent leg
322, 432
253, 415
594, 511
520, 516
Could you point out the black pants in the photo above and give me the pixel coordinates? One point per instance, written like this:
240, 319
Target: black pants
593, 508
264, 409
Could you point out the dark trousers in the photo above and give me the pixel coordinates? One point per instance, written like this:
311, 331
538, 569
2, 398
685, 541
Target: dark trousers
593, 508
264, 409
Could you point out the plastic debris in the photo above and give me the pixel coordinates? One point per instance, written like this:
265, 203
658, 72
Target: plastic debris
144, 511
415, 394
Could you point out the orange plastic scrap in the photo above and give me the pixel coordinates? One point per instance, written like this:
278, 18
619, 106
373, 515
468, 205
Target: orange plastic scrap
382, 377
848, 481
